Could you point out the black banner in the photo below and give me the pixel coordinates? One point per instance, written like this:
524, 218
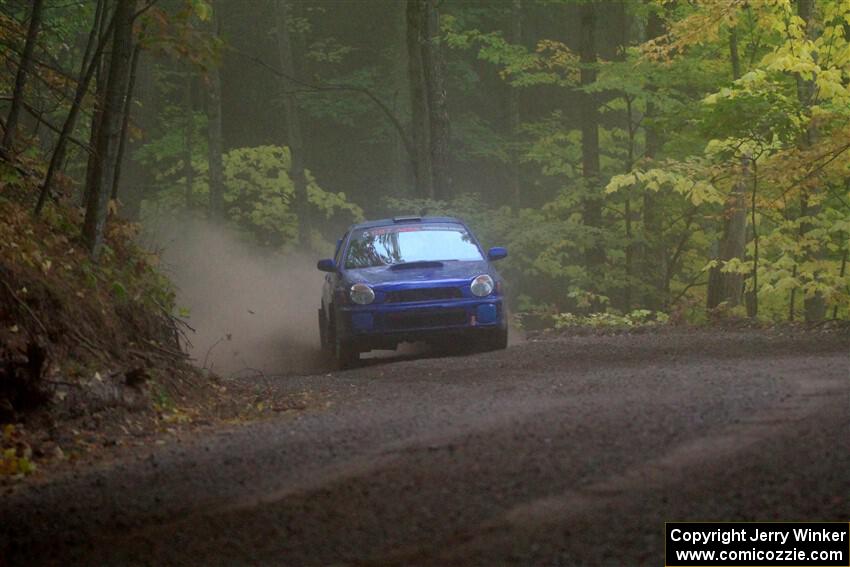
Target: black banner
757, 544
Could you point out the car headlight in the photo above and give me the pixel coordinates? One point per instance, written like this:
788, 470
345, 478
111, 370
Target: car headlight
482, 286
362, 294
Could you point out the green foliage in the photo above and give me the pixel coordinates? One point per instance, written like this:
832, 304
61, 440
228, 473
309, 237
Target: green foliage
258, 191
717, 133
607, 320
346, 110
259, 194
550, 63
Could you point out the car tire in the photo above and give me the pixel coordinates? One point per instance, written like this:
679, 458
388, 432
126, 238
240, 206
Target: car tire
497, 340
323, 330
345, 355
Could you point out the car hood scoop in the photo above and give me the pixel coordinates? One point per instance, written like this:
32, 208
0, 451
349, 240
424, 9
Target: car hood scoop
416, 265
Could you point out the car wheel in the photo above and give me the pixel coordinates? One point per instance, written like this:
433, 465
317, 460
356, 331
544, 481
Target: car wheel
497, 340
345, 355
323, 330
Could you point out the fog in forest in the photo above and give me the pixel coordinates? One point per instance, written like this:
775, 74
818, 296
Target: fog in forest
214, 223
577, 134
642, 161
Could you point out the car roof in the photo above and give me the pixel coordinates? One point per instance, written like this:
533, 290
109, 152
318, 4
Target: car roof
406, 220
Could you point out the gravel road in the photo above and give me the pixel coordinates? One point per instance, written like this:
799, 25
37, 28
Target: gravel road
566, 451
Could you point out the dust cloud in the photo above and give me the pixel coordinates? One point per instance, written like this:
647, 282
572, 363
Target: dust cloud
253, 310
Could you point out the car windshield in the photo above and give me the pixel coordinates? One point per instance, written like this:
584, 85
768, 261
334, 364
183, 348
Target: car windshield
387, 245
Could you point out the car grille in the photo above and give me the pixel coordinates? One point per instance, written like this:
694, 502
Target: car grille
423, 294
423, 318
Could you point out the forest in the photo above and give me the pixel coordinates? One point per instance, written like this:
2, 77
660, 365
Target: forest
642, 160
664, 183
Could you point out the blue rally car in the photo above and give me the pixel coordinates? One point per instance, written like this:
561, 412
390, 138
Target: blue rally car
410, 279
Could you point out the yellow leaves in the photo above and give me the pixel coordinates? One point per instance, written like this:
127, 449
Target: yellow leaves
13, 465
619, 182
202, 10
177, 416
841, 57
832, 87
782, 285
555, 55
703, 192
735, 266
331, 202
794, 58
703, 25
15, 454
841, 226
682, 182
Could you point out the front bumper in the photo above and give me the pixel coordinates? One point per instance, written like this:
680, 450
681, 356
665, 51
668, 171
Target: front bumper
385, 325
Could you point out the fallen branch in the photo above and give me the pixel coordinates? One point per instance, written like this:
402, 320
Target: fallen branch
25, 306
209, 350
63, 383
168, 351
50, 126
93, 348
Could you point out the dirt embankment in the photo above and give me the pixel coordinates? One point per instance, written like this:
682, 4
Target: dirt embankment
93, 354
83, 343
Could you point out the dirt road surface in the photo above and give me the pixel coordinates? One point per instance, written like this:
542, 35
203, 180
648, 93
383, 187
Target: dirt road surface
566, 451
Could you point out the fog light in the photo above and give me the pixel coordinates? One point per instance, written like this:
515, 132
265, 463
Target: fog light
486, 314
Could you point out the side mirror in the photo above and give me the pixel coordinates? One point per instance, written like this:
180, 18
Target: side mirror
326, 265
497, 253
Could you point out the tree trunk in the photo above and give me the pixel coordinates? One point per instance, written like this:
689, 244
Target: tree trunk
125, 120
214, 141
734, 58
109, 132
592, 205
814, 305
513, 109
725, 286
101, 76
403, 158
631, 127
189, 139
21, 77
87, 71
627, 207
433, 66
420, 127
137, 176
753, 295
655, 258
792, 298
841, 272
292, 120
